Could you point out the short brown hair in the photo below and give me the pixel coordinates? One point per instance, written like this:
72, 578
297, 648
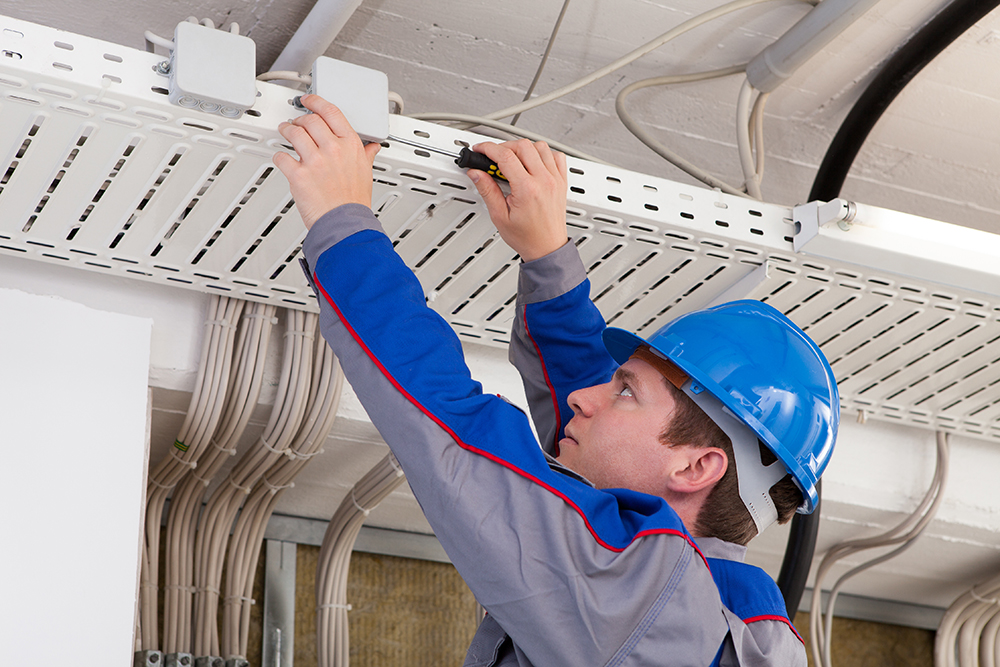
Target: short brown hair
724, 515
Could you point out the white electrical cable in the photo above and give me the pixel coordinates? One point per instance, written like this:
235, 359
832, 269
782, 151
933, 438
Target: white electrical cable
757, 123
650, 141
244, 388
285, 75
545, 58
974, 605
630, 57
751, 181
904, 534
753, 170
202, 414
224, 504
396, 99
247, 381
152, 38
248, 535
989, 646
472, 121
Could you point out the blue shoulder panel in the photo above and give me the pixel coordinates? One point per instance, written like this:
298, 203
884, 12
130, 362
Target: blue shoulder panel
747, 591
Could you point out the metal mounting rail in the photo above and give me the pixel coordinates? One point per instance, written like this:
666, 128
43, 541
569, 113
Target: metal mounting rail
98, 171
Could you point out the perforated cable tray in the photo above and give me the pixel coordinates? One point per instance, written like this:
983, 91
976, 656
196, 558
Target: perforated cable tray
101, 173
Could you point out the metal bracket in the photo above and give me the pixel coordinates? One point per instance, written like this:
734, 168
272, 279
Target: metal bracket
810, 217
147, 659
209, 661
279, 604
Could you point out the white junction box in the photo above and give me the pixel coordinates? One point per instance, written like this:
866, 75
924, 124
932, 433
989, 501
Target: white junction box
212, 70
361, 93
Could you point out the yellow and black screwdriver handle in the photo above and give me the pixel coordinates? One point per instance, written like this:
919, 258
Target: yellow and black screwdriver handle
470, 159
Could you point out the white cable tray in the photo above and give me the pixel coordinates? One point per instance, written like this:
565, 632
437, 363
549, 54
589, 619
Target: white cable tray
100, 172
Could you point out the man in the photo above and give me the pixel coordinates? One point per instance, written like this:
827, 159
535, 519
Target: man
611, 552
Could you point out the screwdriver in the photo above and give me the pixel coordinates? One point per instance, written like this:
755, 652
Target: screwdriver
466, 158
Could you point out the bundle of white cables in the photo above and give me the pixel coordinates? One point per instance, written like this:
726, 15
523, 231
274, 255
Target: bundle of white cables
904, 535
203, 415
225, 502
335, 556
245, 384
248, 535
969, 632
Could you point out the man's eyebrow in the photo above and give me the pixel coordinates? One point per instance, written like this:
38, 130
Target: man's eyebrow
626, 376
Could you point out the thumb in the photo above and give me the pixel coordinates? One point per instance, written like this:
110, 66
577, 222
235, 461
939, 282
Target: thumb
491, 193
372, 149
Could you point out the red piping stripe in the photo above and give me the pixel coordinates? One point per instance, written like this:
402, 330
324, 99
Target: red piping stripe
548, 383
782, 619
506, 464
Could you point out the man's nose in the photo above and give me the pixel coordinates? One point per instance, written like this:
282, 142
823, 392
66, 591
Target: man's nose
584, 401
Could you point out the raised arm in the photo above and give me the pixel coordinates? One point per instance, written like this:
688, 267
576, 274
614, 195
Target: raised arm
556, 338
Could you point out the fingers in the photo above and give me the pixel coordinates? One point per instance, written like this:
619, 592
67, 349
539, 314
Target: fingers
508, 161
523, 157
530, 154
284, 162
318, 131
371, 150
333, 116
561, 165
493, 197
299, 138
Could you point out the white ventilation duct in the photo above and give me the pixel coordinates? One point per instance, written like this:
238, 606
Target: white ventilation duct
321, 26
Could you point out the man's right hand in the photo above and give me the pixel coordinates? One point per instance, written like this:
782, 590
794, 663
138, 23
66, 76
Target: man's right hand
334, 167
532, 218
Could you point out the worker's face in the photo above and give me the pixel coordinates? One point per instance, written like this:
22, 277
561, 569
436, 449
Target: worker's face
614, 437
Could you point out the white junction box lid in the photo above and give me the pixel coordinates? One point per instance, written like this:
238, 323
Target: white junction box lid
212, 70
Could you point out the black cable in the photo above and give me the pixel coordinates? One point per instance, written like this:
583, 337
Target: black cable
898, 71
905, 64
799, 554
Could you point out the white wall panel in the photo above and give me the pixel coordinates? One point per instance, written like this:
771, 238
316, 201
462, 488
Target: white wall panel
73, 391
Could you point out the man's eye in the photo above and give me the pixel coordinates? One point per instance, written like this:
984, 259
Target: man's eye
626, 391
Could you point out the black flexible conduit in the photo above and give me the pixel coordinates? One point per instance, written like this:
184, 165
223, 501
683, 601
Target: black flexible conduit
898, 71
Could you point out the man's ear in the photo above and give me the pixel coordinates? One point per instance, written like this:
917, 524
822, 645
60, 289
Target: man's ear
697, 468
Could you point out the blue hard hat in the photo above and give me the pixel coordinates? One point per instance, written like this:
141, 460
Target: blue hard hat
765, 370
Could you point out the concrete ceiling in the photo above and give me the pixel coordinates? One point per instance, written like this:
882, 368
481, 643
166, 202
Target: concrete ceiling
935, 154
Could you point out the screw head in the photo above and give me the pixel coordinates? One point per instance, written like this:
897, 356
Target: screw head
162, 67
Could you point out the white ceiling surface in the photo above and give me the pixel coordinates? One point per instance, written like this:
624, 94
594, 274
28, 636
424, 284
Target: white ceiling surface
934, 154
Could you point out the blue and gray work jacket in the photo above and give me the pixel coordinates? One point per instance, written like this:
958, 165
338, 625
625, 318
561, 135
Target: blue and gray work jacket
569, 574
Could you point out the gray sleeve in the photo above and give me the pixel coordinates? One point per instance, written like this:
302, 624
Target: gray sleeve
335, 226
763, 643
541, 280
